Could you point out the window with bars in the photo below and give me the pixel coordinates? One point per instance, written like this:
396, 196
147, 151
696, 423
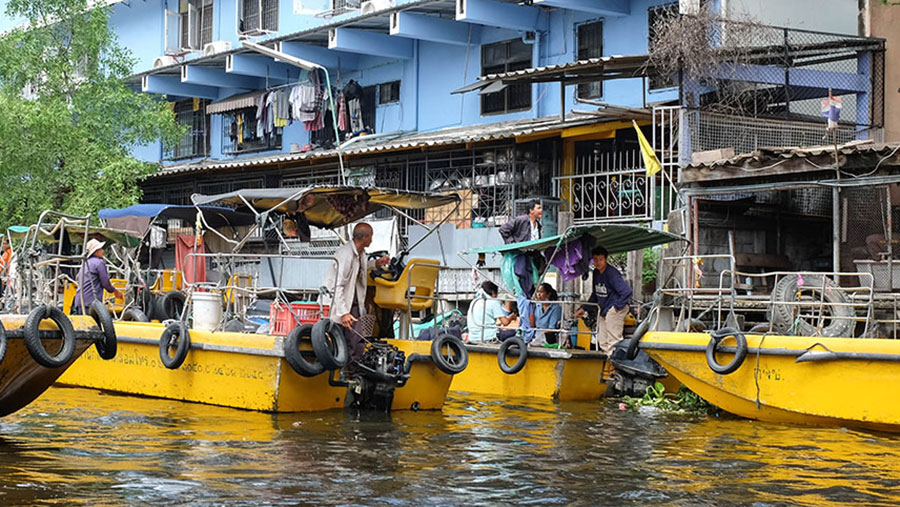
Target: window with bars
389, 92
195, 24
590, 45
194, 143
506, 57
656, 16
258, 16
240, 135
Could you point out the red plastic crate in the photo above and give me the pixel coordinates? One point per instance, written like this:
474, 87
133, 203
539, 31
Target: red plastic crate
282, 321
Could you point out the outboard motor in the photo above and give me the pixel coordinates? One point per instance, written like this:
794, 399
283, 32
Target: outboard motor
375, 376
632, 377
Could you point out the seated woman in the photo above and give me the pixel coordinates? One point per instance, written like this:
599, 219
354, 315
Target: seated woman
509, 324
546, 315
484, 312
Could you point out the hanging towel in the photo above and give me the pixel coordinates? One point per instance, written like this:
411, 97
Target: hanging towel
343, 121
194, 268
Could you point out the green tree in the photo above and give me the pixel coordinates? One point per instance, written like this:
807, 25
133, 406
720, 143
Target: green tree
68, 119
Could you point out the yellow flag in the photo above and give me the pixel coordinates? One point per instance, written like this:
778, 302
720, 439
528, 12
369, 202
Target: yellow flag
650, 161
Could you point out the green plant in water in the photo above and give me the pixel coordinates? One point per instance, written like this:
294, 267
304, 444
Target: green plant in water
684, 400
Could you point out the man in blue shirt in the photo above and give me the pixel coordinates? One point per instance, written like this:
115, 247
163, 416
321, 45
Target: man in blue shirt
611, 293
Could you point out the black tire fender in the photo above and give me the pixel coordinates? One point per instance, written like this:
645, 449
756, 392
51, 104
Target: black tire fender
716, 337
33, 336
449, 354
3, 342
634, 343
108, 345
174, 331
329, 344
785, 291
170, 305
516, 367
295, 357
134, 315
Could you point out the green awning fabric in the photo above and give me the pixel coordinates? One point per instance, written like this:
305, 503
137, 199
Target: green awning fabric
615, 238
76, 234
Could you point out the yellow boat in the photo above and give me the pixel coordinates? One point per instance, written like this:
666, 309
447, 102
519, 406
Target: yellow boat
790, 379
557, 374
548, 373
22, 378
298, 372
238, 370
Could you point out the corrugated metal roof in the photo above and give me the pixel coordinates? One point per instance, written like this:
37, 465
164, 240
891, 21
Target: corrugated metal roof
445, 137
617, 66
766, 156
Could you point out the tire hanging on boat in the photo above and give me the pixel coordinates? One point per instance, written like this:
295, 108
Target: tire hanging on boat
108, 345
295, 357
3, 342
134, 315
836, 303
175, 335
329, 344
716, 337
33, 336
457, 357
519, 344
170, 305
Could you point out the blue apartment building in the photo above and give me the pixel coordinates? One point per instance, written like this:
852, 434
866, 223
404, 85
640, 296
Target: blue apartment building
496, 100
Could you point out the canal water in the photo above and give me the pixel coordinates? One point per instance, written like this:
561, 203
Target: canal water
76, 446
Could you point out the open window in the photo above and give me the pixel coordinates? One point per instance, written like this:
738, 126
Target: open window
191, 27
257, 17
502, 57
590, 45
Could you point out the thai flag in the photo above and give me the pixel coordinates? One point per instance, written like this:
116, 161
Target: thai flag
831, 110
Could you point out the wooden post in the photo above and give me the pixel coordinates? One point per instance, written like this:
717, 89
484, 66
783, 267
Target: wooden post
635, 268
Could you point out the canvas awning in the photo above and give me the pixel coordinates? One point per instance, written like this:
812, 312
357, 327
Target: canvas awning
615, 238
233, 103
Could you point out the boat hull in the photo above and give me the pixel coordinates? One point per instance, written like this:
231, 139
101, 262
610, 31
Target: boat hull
22, 380
238, 370
790, 379
548, 374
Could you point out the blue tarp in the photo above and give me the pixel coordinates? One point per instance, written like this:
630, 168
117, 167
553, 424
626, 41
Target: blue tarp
215, 216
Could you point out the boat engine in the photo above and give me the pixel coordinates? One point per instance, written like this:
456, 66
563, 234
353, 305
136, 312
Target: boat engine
632, 377
374, 377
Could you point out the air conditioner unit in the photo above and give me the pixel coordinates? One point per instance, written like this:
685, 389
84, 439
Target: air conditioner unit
218, 46
164, 61
370, 6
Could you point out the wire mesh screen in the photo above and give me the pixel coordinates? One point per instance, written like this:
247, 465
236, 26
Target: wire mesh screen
869, 239
746, 134
744, 76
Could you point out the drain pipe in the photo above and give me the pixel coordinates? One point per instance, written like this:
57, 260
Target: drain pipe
535, 57
308, 66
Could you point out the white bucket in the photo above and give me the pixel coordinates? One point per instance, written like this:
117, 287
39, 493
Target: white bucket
207, 310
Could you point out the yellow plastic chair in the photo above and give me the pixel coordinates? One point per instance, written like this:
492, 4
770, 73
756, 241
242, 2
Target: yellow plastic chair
69, 296
167, 281
413, 290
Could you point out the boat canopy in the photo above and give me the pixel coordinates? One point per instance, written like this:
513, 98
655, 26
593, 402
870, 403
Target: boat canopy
328, 206
137, 218
615, 238
75, 230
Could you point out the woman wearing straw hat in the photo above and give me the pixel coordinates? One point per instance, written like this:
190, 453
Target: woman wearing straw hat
96, 280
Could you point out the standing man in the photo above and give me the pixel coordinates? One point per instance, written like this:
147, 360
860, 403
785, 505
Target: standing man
5, 261
612, 293
524, 227
92, 279
348, 278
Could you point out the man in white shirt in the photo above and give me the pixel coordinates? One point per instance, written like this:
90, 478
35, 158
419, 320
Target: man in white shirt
347, 277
